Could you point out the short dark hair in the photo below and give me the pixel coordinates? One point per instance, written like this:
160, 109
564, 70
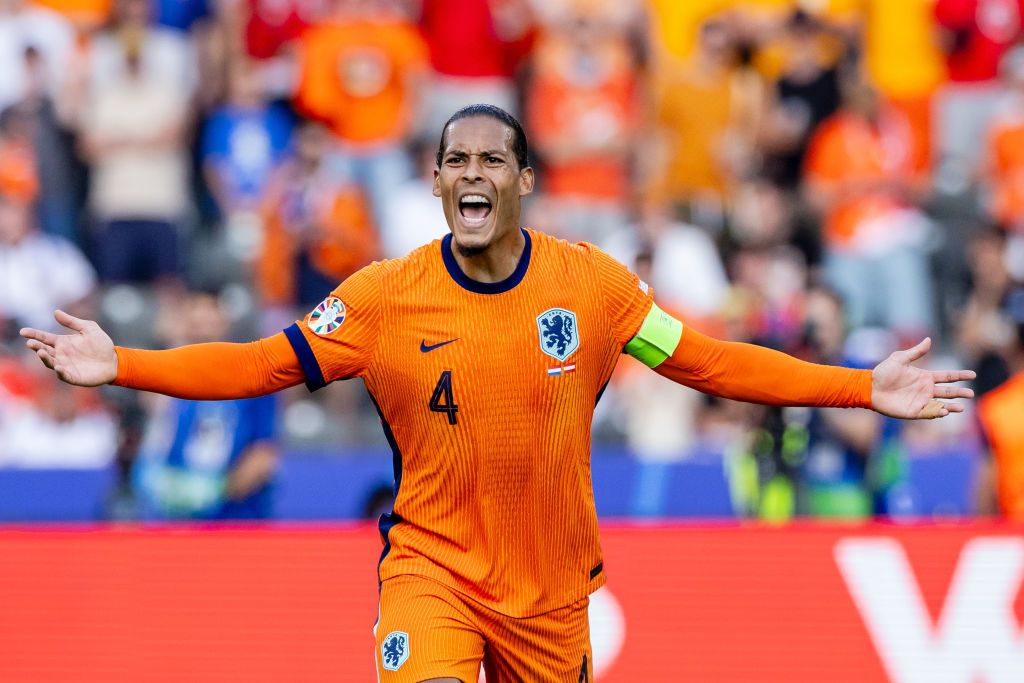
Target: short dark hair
519, 148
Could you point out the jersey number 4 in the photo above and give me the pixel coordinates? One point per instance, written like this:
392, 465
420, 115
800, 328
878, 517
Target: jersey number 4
441, 401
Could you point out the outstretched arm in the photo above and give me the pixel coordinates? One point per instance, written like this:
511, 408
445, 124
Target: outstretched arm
746, 372
216, 371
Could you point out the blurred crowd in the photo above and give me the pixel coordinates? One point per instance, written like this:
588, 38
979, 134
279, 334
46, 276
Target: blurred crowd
832, 178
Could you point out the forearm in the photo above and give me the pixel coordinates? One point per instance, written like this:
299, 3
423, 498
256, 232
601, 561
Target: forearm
215, 371
745, 372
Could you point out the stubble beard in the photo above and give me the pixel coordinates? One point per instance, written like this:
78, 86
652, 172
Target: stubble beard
470, 252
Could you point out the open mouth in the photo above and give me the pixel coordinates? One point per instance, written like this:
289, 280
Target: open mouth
475, 208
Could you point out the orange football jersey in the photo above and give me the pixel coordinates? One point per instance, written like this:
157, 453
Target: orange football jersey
486, 392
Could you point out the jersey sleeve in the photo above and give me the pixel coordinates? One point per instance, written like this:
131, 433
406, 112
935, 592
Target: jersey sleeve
627, 299
336, 340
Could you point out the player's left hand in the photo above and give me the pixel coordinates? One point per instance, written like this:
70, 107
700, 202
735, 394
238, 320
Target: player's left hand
898, 389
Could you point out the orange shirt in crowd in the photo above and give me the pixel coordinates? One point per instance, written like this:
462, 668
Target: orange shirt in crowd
1006, 168
695, 111
86, 15
357, 77
337, 235
1000, 412
568, 116
18, 171
849, 156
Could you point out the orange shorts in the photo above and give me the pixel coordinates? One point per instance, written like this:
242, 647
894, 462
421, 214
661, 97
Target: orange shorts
426, 630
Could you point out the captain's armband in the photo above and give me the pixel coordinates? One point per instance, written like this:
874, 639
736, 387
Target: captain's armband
657, 339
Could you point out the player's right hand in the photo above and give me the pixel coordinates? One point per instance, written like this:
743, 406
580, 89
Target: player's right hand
86, 357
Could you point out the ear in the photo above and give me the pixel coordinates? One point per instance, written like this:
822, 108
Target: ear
526, 180
437, 183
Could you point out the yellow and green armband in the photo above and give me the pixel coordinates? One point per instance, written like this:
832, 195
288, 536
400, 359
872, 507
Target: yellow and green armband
657, 339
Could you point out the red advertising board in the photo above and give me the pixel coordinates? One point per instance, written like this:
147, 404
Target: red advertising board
683, 603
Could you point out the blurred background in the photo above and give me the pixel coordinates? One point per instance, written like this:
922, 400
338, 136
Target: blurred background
832, 178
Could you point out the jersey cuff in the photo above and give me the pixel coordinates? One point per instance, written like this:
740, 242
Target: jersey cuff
657, 339
307, 359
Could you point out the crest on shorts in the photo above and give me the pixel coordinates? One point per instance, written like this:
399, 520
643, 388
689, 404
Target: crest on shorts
394, 650
327, 316
559, 337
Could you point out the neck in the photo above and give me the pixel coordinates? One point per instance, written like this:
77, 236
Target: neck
495, 263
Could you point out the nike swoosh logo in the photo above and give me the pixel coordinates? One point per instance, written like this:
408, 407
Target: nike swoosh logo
426, 349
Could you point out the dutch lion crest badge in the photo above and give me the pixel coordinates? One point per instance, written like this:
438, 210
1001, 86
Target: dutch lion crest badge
394, 650
559, 336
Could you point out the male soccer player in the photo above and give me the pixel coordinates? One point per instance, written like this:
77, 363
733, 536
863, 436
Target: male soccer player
485, 353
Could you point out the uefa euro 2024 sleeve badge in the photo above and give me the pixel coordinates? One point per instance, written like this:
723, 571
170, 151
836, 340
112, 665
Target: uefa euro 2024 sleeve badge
394, 650
327, 316
559, 336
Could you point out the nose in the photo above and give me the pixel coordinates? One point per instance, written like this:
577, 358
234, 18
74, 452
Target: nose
472, 171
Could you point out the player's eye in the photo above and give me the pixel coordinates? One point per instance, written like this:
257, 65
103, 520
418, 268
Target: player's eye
455, 161
494, 161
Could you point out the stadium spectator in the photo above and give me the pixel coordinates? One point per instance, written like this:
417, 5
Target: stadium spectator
131, 43
984, 333
999, 412
18, 175
977, 33
476, 49
133, 133
56, 426
706, 124
659, 418
26, 25
244, 141
865, 176
271, 26
361, 72
1003, 166
414, 215
583, 110
38, 272
207, 459
49, 146
851, 458
318, 228
804, 94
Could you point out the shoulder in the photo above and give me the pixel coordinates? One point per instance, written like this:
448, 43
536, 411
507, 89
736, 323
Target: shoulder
548, 247
409, 268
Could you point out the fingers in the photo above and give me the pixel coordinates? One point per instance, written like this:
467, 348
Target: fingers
935, 408
953, 392
47, 338
43, 352
69, 321
916, 352
953, 375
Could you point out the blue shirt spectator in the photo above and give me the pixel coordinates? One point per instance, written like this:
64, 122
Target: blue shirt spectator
192, 451
243, 142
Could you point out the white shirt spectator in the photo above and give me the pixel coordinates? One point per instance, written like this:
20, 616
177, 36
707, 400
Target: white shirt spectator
46, 31
31, 439
413, 217
165, 56
136, 177
38, 274
686, 272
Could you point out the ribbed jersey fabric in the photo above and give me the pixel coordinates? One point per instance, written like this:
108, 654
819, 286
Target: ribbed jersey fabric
487, 396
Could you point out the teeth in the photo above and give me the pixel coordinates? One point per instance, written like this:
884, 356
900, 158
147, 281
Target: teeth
474, 199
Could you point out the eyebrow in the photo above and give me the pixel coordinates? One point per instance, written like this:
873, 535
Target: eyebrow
485, 153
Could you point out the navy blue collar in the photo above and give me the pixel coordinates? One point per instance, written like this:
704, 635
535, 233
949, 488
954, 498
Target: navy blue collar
472, 285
